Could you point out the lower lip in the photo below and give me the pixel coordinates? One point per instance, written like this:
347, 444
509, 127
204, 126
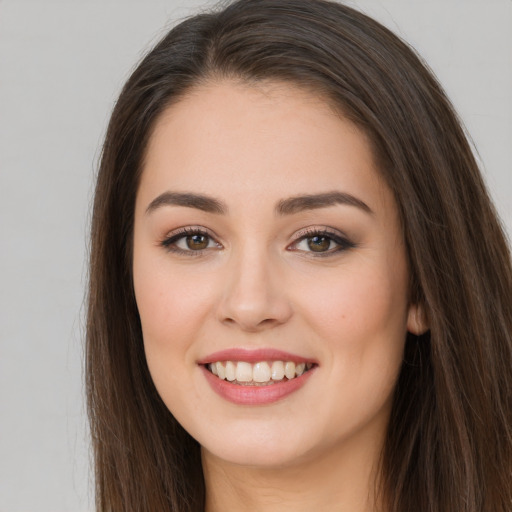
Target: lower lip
255, 395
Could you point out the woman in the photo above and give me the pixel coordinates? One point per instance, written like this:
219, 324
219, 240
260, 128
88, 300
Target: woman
300, 294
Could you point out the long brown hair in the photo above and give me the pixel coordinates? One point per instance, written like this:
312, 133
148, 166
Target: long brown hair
449, 442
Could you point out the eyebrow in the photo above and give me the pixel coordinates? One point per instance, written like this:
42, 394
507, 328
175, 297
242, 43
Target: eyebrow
189, 200
314, 201
288, 206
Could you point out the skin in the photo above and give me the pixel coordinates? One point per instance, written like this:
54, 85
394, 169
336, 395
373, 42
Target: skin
258, 284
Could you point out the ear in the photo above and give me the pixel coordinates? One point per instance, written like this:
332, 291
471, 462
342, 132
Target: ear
417, 322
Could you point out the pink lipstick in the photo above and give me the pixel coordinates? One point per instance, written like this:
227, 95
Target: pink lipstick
256, 377
254, 356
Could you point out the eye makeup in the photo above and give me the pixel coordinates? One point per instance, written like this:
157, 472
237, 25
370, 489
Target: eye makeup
322, 242
193, 241
190, 241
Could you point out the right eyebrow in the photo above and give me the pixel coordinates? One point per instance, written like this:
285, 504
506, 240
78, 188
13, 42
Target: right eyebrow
189, 200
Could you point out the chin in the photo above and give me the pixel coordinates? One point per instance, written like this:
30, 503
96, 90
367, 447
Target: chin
256, 456
259, 447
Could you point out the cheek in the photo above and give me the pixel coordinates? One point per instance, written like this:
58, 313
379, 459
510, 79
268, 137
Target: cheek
361, 318
362, 325
172, 306
363, 301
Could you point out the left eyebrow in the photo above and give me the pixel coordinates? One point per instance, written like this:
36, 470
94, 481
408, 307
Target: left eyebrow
315, 201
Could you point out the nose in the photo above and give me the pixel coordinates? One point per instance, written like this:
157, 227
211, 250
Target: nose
254, 297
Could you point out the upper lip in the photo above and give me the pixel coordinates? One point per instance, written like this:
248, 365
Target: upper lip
254, 356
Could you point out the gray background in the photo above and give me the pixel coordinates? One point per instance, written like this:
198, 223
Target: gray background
62, 63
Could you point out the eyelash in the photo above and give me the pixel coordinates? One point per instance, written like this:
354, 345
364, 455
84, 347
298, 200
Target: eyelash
342, 242
168, 242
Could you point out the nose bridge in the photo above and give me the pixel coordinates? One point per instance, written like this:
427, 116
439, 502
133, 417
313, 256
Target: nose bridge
254, 295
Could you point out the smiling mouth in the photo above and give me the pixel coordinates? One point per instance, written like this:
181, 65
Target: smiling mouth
263, 373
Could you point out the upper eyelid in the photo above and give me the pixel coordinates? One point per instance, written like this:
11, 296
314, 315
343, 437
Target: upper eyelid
297, 236
170, 239
304, 232
190, 230
317, 230
338, 237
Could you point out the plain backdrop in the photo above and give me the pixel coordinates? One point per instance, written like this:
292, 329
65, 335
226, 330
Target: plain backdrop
62, 63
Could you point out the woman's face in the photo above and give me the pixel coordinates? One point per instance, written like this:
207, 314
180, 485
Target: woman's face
265, 237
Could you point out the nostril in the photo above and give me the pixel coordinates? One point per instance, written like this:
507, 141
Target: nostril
251, 323
253, 299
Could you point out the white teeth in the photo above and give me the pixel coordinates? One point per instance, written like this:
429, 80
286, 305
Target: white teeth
230, 371
221, 372
289, 370
299, 369
261, 372
277, 370
243, 371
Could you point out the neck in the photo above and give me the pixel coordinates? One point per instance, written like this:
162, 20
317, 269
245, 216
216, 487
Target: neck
341, 480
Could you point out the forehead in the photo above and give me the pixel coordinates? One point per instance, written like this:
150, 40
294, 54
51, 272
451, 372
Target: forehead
258, 141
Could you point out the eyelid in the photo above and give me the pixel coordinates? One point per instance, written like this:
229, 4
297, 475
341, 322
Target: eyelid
173, 236
318, 230
335, 235
338, 237
189, 230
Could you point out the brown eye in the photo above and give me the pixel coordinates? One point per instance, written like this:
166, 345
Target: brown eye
197, 242
191, 242
319, 243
